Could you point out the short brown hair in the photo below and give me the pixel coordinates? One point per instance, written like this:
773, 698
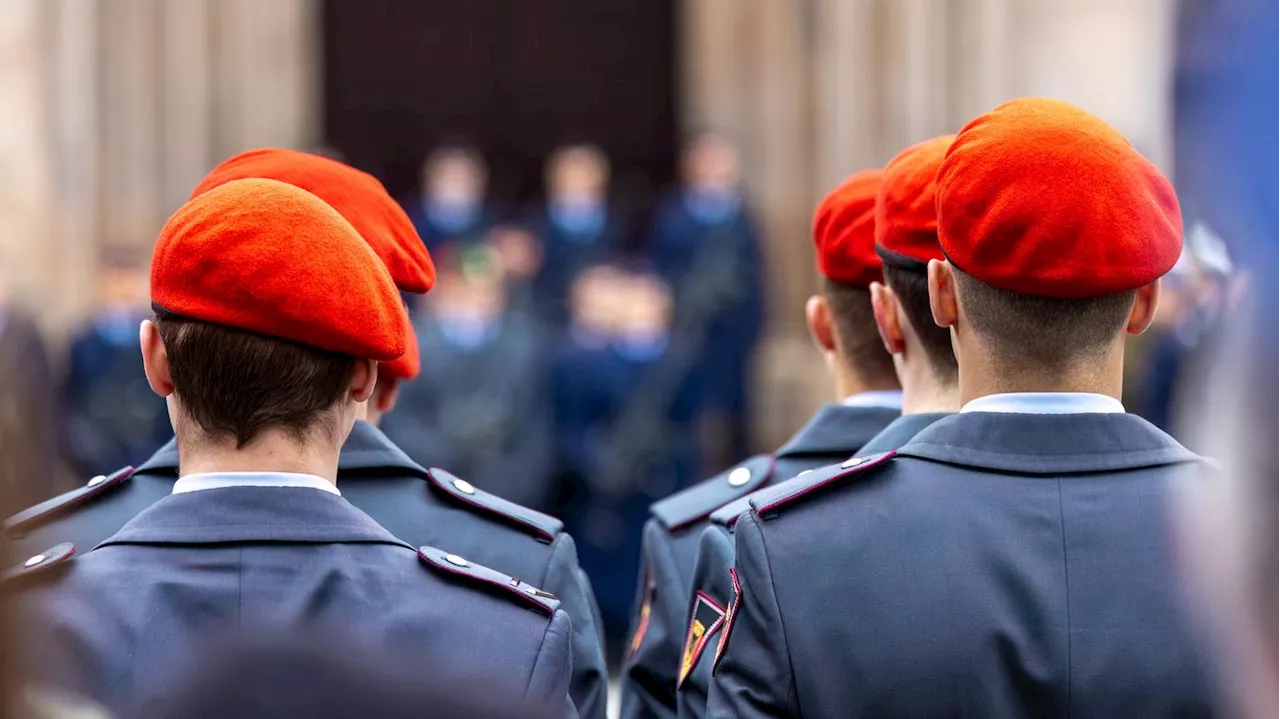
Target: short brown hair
237, 383
912, 290
1045, 332
855, 325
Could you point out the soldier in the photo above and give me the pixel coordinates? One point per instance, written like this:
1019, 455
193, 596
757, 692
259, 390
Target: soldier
842, 325
424, 507
271, 314
1012, 559
452, 207
576, 225
906, 231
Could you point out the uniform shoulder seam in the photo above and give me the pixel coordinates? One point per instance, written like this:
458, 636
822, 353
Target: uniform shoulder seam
541, 527
18, 524
766, 503
523, 593
696, 503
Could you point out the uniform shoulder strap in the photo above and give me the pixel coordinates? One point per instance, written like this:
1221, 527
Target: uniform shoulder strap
767, 502
699, 501
20, 523
41, 563
511, 587
728, 515
542, 527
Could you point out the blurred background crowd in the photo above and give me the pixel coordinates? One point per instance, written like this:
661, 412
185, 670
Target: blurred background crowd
616, 194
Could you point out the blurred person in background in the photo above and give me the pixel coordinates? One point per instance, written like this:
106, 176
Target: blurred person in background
706, 244
110, 417
627, 398
318, 678
519, 255
452, 206
481, 407
576, 224
28, 426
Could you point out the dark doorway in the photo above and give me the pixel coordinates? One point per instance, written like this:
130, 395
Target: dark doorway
514, 77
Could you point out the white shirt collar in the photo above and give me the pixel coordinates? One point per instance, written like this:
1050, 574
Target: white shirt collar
219, 480
886, 398
1045, 403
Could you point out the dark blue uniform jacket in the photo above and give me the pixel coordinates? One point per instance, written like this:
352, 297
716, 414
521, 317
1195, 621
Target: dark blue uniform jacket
713, 581
670, 548
1001, 565
121, 621
418, 506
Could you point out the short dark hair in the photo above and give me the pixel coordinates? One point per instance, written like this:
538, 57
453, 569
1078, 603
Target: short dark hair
1047, 332
236, 383
855, 325
912, 290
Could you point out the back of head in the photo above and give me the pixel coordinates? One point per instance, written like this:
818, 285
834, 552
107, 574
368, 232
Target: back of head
1052, 221
906, 229
265, 299
844, 235
361, 200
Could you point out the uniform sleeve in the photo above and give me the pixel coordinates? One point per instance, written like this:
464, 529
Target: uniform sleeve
754, 677
653, 652
711, 577
549, 681
589, 684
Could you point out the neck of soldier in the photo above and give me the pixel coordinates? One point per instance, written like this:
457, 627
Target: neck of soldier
984, 372
850, 382
273, 450
922, 389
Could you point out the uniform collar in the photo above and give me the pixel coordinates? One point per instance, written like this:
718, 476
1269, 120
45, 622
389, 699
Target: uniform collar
838, 429
1047, 444
1045, 403
222, 480
366, 448
899, 432
884, 398
251, 514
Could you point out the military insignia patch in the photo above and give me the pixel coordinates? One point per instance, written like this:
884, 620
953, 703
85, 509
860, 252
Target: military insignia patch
642, 619
704, 621
729, 614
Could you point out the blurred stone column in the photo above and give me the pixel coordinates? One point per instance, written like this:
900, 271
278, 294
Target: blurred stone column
24, 174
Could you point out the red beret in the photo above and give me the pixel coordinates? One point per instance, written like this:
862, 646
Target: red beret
1042, 198
906, 211
356, 195
844, 231
268, 257
407, 365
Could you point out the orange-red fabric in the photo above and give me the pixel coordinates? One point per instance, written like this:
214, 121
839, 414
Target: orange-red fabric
407, 365
357, 196
268, 257
844, 231
1042, 198
906, 209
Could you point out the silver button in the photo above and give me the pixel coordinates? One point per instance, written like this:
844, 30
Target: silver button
852, 462
464, 486
739, 477
803, 472
455, 560
97, 480
38, 559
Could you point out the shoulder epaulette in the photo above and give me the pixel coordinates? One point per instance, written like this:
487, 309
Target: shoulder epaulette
543, 527
18, 524
728, 515
40, 563
527, 594
766, 502
699, 501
